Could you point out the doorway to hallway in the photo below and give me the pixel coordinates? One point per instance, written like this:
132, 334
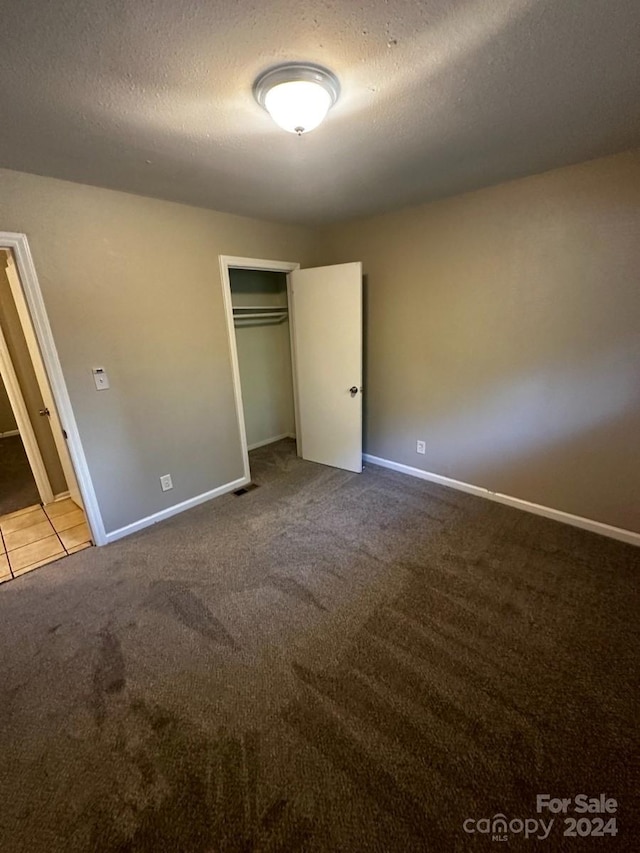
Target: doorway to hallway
41, 511
17, 485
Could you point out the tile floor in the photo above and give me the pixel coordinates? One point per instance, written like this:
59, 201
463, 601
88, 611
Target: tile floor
37, 535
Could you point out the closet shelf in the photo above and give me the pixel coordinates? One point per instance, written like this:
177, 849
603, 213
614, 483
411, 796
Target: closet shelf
263, 313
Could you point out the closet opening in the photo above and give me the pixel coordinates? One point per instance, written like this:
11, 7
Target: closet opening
295, 341
261, 326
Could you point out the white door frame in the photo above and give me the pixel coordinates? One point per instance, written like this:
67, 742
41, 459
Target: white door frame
23, 422
28, 277
228, 262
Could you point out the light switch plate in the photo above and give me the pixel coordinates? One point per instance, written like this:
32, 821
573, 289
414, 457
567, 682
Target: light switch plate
100, 378
166, 482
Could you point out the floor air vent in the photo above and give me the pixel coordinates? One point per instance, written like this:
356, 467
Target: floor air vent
245, 489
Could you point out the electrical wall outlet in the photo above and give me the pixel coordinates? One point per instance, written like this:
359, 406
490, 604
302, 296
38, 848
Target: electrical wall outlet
166, 483
421, 447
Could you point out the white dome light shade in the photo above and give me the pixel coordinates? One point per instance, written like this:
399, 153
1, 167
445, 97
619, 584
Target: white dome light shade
297, 96
298, 106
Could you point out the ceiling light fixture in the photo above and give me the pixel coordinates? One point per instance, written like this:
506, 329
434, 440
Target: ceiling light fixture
297, 95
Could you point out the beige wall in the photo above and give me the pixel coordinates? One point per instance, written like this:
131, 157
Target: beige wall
21, 360
7, 420
503, 328
132, 284
264, 358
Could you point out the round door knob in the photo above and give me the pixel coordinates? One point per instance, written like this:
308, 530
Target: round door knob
353, 390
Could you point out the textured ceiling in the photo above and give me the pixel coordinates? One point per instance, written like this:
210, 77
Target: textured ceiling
438, 97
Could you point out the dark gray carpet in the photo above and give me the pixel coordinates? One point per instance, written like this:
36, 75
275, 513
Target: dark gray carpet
332, 662
17, 487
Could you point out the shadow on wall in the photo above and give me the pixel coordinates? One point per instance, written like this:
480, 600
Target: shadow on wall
533, 412
7, 418
535, 437
568, 466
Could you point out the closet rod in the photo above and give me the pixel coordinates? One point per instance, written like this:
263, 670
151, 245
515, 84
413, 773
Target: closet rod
262, 308
241, 317
253, 313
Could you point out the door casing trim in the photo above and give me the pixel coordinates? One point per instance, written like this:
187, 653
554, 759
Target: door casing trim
228, 262
19, 245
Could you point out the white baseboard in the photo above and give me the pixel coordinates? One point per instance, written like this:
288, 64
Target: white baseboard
9, 433
121, 532
270, 440
557, 515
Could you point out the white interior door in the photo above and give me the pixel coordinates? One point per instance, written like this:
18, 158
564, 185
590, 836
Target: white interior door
21, 415
59, 434
326, 305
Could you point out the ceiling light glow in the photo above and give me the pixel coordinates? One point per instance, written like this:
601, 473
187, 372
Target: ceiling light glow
297, 96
